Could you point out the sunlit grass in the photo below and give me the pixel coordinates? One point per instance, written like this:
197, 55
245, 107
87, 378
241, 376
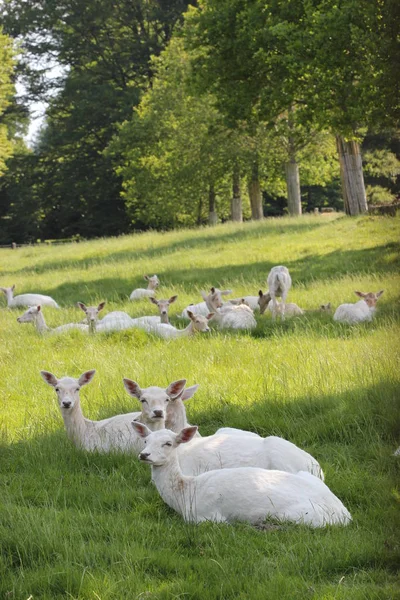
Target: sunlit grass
85, 527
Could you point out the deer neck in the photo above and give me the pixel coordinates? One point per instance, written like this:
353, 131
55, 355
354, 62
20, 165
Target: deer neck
164, 319
176, 416
9, 296
75, 424
41, 323
174, 487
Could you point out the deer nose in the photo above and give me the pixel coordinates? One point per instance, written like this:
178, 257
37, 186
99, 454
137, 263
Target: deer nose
66, 404
163, 312
158, 413
144, 455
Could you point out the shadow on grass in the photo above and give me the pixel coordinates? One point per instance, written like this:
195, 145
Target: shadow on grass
305, 270
189, 243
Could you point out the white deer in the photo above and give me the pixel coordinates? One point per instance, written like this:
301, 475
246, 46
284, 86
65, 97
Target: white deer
115, 433
279, 283
363, 310
198, 324
236, 494
201, 308
152, 284
229, 315
27, 299
35, 315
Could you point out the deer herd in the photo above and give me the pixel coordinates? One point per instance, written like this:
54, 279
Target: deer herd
232, 475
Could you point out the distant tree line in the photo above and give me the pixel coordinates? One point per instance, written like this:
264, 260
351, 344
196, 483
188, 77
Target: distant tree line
170, 113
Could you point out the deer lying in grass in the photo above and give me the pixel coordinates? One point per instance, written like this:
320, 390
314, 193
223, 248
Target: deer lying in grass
236, 494
201, 308
27, 299
290, 308
250, 301
198, 324
230, 316
152, 285
163, 307
363, 310
115, 433
35, 315
92, 314
119, 320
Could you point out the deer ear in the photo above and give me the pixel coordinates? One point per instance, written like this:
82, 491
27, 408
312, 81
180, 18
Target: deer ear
213, 290
141, 429
101, 306
39, 308
226, 292
13, 287
361, 294
210, 316
190, 315
146, 277
379, 294
172, 299
186, 435
153, 300
49, 378
86, 377
82, 306
189, 392
175, 388
260, 293
132, 388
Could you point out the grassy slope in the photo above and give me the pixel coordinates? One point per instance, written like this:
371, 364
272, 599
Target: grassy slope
92, 527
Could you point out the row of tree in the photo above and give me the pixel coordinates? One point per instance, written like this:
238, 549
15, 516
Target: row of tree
168, 114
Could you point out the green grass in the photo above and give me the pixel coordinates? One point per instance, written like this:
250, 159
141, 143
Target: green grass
91, 527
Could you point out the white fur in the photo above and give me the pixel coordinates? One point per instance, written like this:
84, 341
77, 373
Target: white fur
363, 310
201, 308
230, 315
354, 313
176, 419
35, 315
197, 323
153, 283
279, 283
232, 448
236, 494
291, 309
115, 433
27, 299
251, 301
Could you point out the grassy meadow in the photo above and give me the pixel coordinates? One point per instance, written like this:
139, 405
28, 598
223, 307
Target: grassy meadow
92, 527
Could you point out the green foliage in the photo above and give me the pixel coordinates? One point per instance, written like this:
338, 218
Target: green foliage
7, 91
85, 527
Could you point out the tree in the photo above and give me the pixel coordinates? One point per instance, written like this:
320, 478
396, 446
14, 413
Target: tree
103, 50
6, 95
327, 62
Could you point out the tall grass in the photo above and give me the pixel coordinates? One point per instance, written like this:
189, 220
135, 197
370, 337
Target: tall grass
84, 527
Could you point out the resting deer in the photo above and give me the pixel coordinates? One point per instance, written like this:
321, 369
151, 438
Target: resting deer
236, 494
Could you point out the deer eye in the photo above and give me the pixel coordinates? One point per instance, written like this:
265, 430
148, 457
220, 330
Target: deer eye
167, 444
57, 389
77, 389
143, 400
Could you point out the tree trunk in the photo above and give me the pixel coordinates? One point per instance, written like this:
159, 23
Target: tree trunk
255, 194
351, 174
212, 213
236, 202
293, 187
